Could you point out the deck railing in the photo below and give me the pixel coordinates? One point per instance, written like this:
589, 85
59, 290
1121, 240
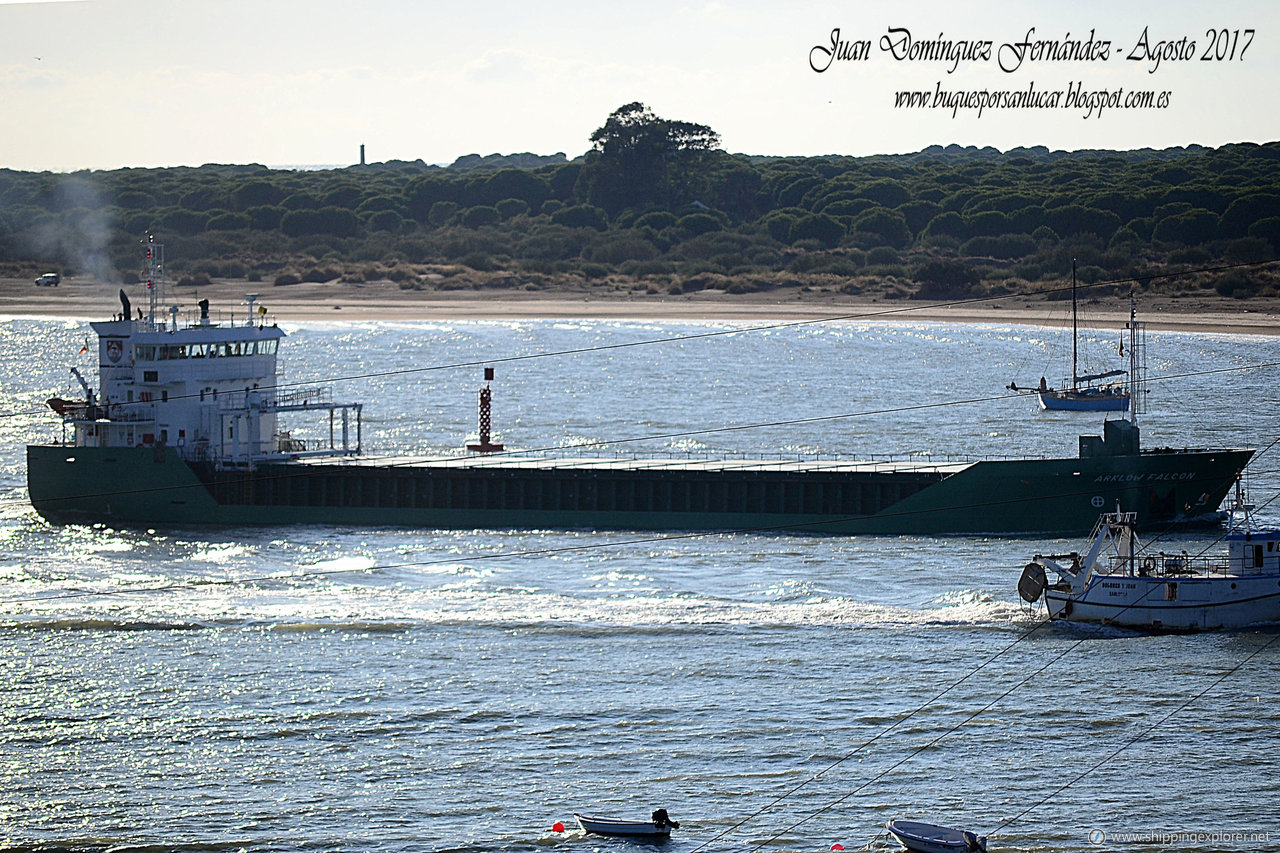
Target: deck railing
1178, 565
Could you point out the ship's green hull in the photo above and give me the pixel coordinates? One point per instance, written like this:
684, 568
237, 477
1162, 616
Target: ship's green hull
1015, 497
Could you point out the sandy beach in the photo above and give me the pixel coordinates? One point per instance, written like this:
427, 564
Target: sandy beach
82, 297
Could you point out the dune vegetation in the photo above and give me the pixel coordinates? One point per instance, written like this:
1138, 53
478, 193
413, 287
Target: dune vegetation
656, 206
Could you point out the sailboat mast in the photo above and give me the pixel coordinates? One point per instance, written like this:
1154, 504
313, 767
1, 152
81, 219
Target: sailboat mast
1075, 333
1134, 380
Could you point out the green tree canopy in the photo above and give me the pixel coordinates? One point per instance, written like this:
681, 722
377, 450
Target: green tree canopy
640, 160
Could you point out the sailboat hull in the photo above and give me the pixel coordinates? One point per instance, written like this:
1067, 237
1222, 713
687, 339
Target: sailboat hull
1084, 400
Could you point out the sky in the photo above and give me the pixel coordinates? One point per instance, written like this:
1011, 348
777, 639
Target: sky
105, 84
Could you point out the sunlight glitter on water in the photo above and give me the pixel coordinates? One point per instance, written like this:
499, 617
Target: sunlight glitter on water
329, 687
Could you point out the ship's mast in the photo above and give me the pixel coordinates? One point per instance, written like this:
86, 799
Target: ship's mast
1075, 332
1137, 363
153, 276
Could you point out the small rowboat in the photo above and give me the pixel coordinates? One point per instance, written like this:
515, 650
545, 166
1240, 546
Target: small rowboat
929, 838
640, 830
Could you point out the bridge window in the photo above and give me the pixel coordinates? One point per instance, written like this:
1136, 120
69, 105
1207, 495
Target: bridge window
218, 349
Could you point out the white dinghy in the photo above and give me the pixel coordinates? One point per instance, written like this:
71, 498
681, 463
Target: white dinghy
657, 828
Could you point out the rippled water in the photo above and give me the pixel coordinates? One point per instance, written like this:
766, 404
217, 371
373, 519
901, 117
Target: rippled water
324, 688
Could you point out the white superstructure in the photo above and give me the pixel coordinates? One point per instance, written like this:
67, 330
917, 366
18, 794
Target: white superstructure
205, 387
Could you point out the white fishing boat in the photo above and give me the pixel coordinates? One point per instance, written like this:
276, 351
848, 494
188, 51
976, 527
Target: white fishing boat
657, 828
921, 837
1119, 582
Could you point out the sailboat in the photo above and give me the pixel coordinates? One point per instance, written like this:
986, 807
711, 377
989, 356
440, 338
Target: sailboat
1084, 395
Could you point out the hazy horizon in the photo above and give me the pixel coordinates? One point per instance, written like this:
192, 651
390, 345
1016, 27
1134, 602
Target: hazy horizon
106, 84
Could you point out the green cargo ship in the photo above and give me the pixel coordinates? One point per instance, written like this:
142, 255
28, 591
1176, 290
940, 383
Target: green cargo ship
159, 485
184, 430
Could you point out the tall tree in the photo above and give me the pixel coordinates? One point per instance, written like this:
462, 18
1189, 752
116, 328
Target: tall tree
641, 160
